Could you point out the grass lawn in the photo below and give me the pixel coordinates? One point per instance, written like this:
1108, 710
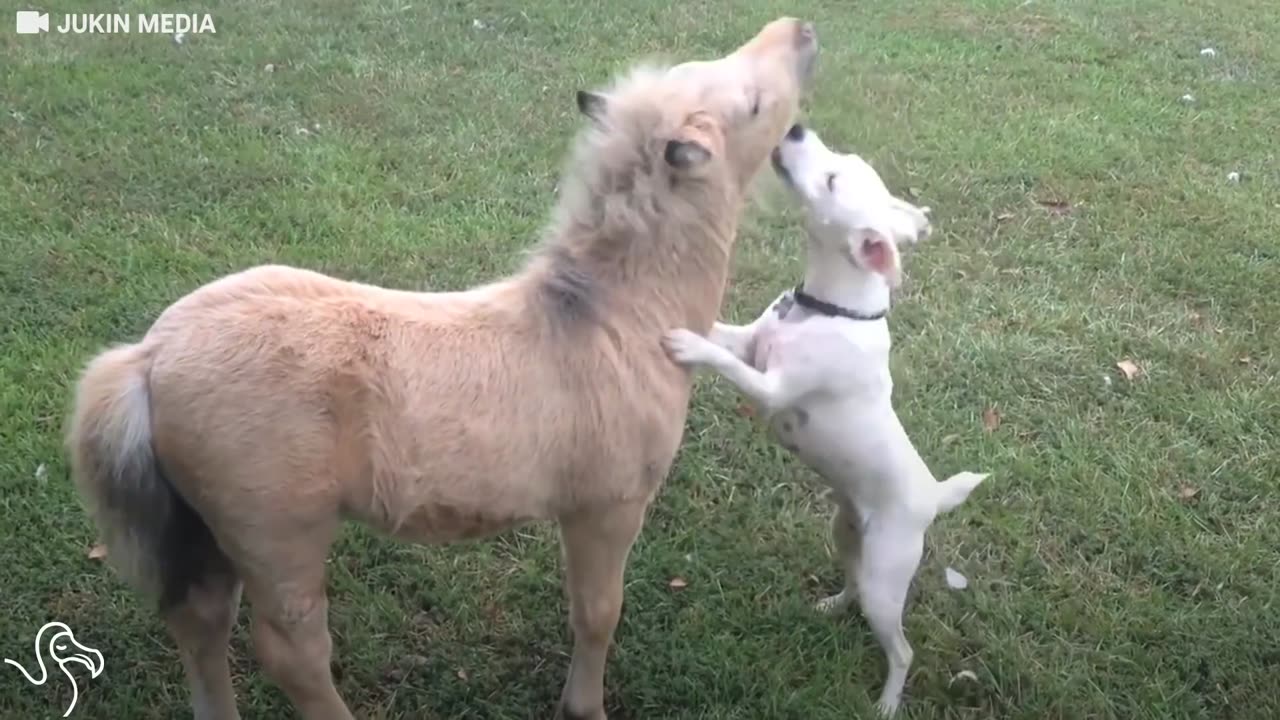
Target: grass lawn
1123, 556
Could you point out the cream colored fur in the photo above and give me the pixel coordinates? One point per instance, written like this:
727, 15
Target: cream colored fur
225, 448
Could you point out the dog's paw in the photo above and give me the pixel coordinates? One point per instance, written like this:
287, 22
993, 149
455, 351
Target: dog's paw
687, 347
887, 708
835, 604
564, 713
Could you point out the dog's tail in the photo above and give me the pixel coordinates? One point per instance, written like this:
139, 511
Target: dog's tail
153, 538
955, 489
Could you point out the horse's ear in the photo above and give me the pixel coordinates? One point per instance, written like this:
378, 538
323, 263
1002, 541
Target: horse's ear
685, 154
593, 105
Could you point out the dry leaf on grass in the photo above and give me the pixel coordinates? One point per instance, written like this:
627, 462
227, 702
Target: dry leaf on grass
462, 675
1130, 369
1187, 492
1055, 207
678, 583
98, 552
963, 675
990, 419
746, 410
1002, 217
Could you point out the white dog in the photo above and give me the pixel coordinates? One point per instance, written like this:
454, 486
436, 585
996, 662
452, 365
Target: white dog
816, 364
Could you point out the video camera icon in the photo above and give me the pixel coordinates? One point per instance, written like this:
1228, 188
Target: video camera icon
31, 22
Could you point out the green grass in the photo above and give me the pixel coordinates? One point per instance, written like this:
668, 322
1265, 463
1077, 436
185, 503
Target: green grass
133, 169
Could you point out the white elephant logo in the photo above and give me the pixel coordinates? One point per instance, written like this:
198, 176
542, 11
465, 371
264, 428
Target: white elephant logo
63, 650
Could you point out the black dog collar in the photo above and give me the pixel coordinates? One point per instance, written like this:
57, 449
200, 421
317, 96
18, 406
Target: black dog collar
806, 300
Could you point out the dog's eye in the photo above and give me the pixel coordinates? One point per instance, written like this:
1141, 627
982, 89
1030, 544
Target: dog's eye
831, 182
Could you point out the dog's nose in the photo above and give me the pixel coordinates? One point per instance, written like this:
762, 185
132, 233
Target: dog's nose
796, 133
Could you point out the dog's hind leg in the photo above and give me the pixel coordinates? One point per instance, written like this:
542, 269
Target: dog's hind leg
201, 626
890, 558
846, 534
596, 543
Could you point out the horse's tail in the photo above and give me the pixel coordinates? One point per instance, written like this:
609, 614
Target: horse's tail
154, 539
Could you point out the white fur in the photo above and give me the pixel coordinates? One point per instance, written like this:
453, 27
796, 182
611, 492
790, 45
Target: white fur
823, 383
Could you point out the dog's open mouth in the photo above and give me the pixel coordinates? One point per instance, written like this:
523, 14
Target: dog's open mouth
775, 158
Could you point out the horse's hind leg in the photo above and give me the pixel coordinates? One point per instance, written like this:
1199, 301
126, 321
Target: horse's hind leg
201, 624
285, 583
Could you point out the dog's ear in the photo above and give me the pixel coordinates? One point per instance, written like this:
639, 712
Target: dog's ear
876, 252
593, 105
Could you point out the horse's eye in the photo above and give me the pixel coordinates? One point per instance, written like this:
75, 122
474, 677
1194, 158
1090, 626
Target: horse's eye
831, 182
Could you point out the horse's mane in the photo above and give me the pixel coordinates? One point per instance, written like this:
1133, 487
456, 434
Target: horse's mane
615, 193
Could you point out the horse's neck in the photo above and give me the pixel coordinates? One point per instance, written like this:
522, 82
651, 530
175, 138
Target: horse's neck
675, 273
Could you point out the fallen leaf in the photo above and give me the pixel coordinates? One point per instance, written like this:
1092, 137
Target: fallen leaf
950, 439
963, 675
1029, 435
1004, 216
990, 419
746, 410
1243, 360
1129, 368
41, 472
1187, 492
462, 675
1056, 207
955, 580
98, 552
678, 583
914, 192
